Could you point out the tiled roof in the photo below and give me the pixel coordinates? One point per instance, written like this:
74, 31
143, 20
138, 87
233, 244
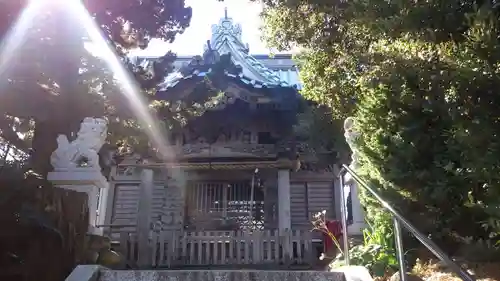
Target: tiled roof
177, 77
226, 39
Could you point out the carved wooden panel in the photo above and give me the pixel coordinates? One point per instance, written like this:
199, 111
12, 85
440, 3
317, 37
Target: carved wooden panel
172, 213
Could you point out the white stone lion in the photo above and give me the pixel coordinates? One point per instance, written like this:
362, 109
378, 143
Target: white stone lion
83, 151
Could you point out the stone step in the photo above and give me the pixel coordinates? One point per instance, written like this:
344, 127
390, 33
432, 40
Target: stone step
95, 273
218, 275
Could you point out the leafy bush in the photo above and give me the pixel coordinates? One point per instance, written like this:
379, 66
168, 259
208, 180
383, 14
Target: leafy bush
429, 141
422, 80
377, 253
37, 219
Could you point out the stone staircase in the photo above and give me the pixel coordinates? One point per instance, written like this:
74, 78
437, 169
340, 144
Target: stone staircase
97, 273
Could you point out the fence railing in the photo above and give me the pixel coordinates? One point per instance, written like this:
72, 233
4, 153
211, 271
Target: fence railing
205, 248
399, 221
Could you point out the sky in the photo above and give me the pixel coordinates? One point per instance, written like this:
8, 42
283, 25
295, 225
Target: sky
206, 13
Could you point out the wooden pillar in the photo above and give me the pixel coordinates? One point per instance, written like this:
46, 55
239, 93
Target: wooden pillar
172, 216
284, 220
270, 201
144, 218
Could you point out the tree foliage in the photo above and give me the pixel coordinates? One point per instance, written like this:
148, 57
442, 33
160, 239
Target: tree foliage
320, 134
130, 23
420, 77
54, 82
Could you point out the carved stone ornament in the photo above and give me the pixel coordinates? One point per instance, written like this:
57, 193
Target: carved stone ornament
227, 38
83, 151
351, 135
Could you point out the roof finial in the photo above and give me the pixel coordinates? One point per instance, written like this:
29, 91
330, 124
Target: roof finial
225, 13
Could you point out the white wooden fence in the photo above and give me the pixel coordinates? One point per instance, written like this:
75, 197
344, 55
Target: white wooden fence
207, 248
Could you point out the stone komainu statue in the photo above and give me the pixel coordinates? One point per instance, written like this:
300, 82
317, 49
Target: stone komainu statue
83, 151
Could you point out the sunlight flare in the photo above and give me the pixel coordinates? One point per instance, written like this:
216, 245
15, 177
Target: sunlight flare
18, 34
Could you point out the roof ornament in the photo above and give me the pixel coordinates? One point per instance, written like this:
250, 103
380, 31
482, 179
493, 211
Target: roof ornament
225, 27
210, 56
227, 53
202, 63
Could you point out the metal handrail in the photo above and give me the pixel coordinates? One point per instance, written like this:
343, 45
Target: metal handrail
399, 221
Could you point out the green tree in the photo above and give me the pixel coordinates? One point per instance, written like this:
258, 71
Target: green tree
420, 78
57, 82
320, 135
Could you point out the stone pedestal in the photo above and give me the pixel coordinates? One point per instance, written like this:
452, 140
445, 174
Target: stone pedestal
90, 181
358, 214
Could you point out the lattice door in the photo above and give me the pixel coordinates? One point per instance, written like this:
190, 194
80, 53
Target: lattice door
224, 206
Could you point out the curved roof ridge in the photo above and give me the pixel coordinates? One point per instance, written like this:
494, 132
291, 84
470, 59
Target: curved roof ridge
226, 38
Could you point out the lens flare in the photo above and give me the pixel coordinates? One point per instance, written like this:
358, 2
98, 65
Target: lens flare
81, 18
16, 36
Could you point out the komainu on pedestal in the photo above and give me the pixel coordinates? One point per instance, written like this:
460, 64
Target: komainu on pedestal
83, 151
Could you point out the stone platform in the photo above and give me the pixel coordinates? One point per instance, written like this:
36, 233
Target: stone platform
95, 273
216, 275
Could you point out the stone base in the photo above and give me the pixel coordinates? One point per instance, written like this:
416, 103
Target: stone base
89, 181
85, 273
216, 275
356, 228
358, 273
78, 177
